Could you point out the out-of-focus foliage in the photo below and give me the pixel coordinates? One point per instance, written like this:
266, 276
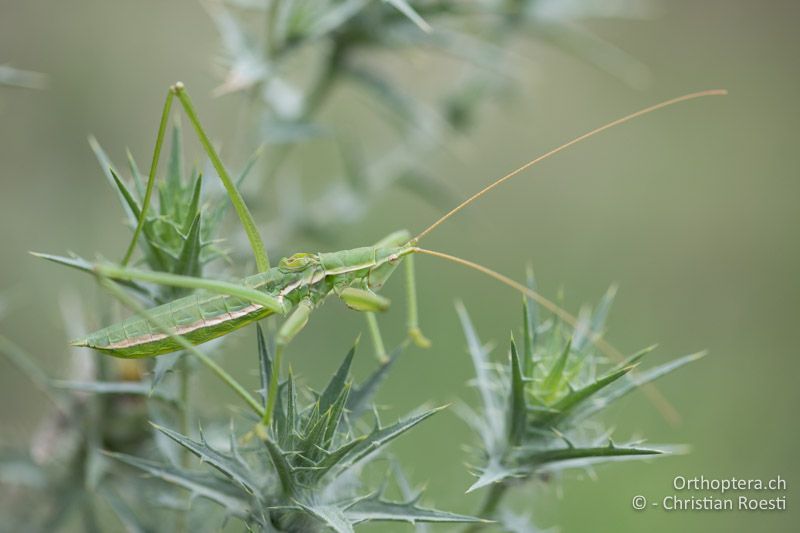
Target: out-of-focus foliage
26, 79
290, 59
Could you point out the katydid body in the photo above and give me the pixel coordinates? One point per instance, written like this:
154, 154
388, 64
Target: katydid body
353, 275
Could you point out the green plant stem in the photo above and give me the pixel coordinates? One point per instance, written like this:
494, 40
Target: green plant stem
186, 345
257, 245
490, 504
162, 128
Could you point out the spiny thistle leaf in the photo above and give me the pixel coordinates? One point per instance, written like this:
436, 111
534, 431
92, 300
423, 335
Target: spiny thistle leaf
282, 467
230, 466
374, 507
188, 263
581, 456
642, 378
565, 405
264, 363
380, 437
517, 411
213, 488
337, 382
130, 201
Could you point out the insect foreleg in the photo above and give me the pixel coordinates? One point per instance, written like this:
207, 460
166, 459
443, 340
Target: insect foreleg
414, 333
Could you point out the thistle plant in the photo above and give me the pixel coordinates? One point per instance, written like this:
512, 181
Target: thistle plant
302, 475
540, 411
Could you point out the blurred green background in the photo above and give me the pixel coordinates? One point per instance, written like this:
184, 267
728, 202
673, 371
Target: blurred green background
693, 212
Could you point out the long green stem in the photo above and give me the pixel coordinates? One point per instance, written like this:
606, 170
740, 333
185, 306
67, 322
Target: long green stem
229, 380
162, 128
257, 245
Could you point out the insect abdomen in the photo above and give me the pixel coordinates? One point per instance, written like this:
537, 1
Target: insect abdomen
199, 318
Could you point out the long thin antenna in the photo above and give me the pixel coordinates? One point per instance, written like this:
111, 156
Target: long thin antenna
661, 403
576, 140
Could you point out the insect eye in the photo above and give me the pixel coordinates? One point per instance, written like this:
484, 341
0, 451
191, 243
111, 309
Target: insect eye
296, 262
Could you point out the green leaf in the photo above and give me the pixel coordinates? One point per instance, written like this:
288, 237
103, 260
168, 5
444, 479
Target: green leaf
638, 379
330, 515
194, 204
556, 374
264, 363
337, 382
582, 456
210, 487
282, 467
108, 170
335, 413
229, 466
333, 458
373, 508
132, 204
517, 412
480, 361
188, 263
569, 402
380, 437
